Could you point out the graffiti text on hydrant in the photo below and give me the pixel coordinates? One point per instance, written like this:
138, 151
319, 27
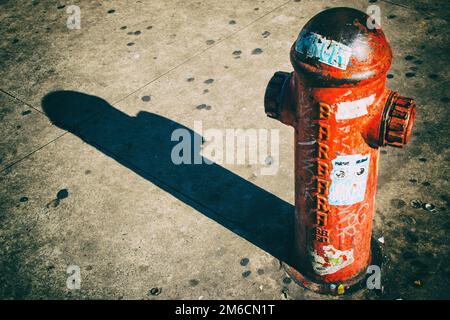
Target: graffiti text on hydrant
330, 52
323, 173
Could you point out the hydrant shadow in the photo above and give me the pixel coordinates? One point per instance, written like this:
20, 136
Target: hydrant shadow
143, 144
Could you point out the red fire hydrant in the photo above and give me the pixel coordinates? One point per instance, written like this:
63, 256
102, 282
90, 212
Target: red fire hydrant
342, 112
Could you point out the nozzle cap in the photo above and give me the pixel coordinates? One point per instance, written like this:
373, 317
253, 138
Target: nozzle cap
398, 120
273, 98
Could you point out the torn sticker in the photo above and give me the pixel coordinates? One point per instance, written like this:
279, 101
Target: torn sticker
330, 52
348, 179
332, 260
353, 109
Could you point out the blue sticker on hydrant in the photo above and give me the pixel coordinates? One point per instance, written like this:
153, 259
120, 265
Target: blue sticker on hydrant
330, 52
348, 179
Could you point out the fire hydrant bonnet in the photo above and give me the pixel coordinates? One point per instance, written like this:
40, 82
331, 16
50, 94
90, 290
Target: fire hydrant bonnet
338, 47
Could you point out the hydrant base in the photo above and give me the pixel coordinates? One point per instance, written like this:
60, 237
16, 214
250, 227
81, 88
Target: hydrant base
342, 288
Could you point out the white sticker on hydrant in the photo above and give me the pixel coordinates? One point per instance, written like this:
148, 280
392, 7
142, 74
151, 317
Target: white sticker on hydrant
348, 179
332, 261
353, 109
330, 52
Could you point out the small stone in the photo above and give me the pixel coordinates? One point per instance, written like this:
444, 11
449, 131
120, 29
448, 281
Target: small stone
194, 282
209, 81
53, 204
203, 106
265, 34
429, 207
190, 79
210, 42
111, 11
146, 98
244, 262
287, 280
62, 194
155, 291
257, 51
245, 274
232, 22
237, 52
23, 199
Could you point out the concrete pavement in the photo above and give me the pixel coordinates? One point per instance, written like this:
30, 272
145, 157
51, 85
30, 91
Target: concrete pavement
96, 189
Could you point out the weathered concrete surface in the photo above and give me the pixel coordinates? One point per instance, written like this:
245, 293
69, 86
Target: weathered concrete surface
133, 221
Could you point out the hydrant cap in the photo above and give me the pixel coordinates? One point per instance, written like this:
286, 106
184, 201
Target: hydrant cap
342, 45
